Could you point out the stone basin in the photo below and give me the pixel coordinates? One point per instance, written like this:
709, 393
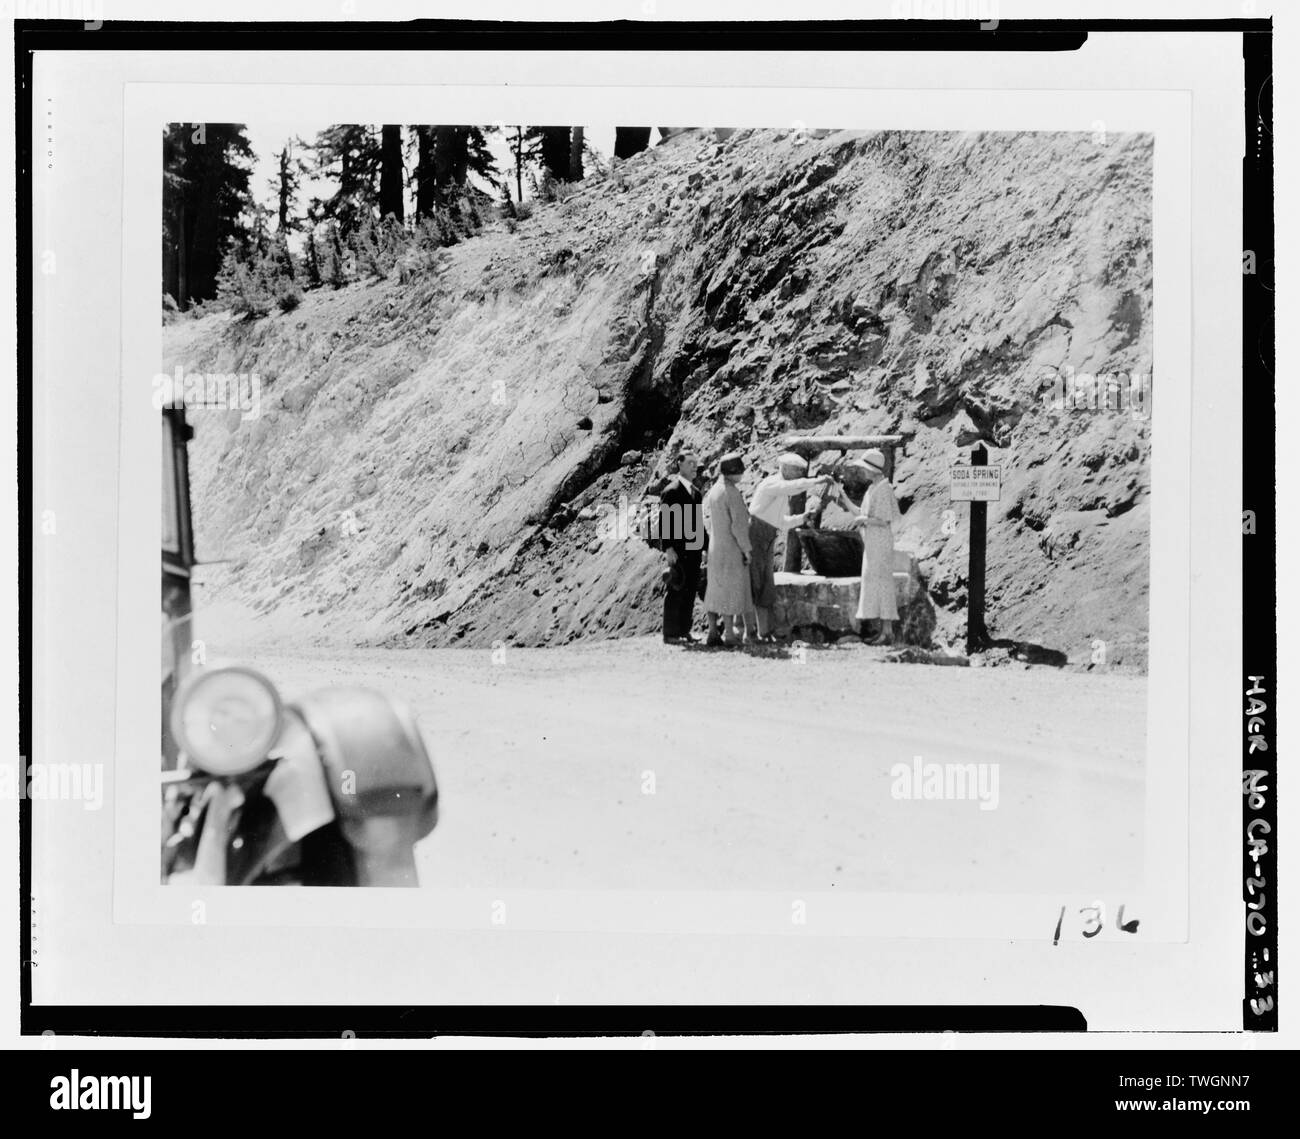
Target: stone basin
809, 605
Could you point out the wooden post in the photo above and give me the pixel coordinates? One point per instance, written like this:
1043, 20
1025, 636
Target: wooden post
793, 547
976, 632
810, 446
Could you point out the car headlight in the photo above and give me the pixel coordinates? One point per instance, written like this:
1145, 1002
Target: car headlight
226, 718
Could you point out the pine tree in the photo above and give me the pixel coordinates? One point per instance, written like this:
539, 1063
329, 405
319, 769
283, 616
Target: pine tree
518, 150
206, 169
289, 172
260, 241
446, 157
338, 274
549, 148
479, 156
349, 154
313, 262
281, 258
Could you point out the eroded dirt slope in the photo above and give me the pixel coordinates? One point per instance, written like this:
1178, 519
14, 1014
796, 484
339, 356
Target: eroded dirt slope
442, 457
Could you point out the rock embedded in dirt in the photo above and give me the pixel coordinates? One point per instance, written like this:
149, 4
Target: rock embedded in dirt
912, 654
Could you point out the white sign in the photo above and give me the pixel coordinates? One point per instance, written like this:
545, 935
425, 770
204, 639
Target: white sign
976, 484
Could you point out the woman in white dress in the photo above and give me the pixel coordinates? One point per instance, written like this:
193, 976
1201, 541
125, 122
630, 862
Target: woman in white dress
878, 600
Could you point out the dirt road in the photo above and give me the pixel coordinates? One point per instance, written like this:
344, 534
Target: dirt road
628, 764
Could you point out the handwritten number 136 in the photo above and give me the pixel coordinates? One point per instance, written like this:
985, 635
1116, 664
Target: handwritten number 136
1095, 921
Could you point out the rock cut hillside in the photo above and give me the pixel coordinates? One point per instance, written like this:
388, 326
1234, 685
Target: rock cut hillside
439, 454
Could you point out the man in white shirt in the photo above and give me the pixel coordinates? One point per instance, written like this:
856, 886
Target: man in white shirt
768, 517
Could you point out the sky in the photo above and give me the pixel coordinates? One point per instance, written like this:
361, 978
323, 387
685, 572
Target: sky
268, 136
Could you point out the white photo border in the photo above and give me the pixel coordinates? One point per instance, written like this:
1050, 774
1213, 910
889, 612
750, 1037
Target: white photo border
1196, 364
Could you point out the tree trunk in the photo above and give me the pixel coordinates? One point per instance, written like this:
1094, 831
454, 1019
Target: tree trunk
793, 550
555, 152
182, 292
390, 173
202, 256
460, 155
282, 218
444, 157
575, 154
425, 189
519, 164
313, 260
630, 140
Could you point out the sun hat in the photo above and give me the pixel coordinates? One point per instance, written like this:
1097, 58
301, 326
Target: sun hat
873, 460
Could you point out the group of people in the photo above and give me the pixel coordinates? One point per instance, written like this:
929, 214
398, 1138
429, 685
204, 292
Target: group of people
739, 539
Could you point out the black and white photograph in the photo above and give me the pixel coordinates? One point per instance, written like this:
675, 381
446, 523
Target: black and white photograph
771, 577
735, 508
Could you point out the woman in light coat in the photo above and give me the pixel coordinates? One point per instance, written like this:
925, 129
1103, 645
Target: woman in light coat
878, 600
728, 593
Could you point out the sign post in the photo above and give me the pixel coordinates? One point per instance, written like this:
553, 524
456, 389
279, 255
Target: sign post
976, 633
979, 484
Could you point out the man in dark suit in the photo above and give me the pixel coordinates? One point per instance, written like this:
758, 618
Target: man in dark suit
683, 539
